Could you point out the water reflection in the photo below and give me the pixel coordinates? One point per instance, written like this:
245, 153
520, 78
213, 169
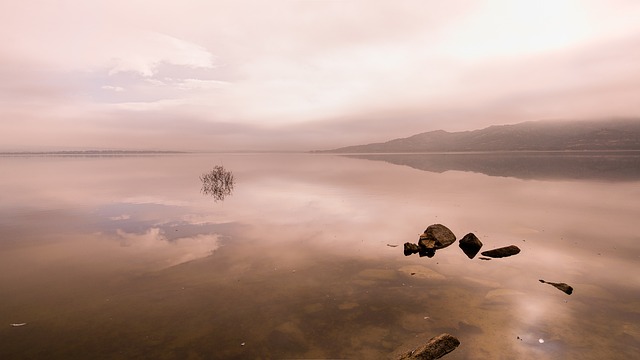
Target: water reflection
609, 166
113, 256
218, 183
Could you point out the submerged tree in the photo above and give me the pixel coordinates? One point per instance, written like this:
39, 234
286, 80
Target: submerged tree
217, 183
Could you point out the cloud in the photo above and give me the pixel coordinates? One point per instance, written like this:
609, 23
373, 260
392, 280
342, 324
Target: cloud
144, 54
112, 88
169, 253
200, 84
306, 73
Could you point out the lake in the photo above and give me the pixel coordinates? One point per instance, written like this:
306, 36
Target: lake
123, 257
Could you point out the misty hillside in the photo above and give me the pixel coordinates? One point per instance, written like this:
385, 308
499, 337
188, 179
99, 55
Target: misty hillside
526, 136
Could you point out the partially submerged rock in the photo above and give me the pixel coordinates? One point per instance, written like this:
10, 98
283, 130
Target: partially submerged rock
436, 236
567, 289
470, 245
410, 249
435, 348
502, 252
426, 252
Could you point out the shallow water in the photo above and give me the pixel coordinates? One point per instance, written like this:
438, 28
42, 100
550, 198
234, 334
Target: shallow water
124, 257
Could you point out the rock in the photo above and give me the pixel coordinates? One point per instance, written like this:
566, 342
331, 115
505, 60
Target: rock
502, 252
435, 348
410, 248
427, 252
484, 258
470, 244
426, 242
435, 237
567, 289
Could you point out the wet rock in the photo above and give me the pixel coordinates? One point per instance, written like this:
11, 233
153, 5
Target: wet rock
436, 236
427, 252
567, 289
502, 252
410, 249
435, 348
426, 243
470, 245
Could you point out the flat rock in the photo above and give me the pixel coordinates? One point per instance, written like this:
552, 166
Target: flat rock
502, 252
470, 245
567, 289
435, 348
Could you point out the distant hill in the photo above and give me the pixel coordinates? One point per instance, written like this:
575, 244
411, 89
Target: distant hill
548, 135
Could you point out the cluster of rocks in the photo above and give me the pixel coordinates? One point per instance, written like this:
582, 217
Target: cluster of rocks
438, 236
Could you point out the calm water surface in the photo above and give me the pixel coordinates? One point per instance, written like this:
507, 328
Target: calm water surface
124, 258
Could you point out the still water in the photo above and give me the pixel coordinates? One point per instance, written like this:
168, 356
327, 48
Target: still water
124, 257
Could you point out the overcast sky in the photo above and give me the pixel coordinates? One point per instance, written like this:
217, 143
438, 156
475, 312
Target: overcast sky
304, 74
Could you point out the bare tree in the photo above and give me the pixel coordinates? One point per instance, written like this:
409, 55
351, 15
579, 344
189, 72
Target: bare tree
217, 183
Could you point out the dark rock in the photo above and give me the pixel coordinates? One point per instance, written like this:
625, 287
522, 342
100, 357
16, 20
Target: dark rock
436, 237
470, 244
427, 252
484, 258
410, 248
567, 289
502, 252
435, 348
426, 243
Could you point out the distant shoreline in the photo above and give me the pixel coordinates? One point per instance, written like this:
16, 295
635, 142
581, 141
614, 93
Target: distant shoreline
488, 152
89, 153
115, 153
105, 153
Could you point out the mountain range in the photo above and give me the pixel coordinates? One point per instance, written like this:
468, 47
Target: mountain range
544, 135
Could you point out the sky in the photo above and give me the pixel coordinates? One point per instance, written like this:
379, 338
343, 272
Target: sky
215, 75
